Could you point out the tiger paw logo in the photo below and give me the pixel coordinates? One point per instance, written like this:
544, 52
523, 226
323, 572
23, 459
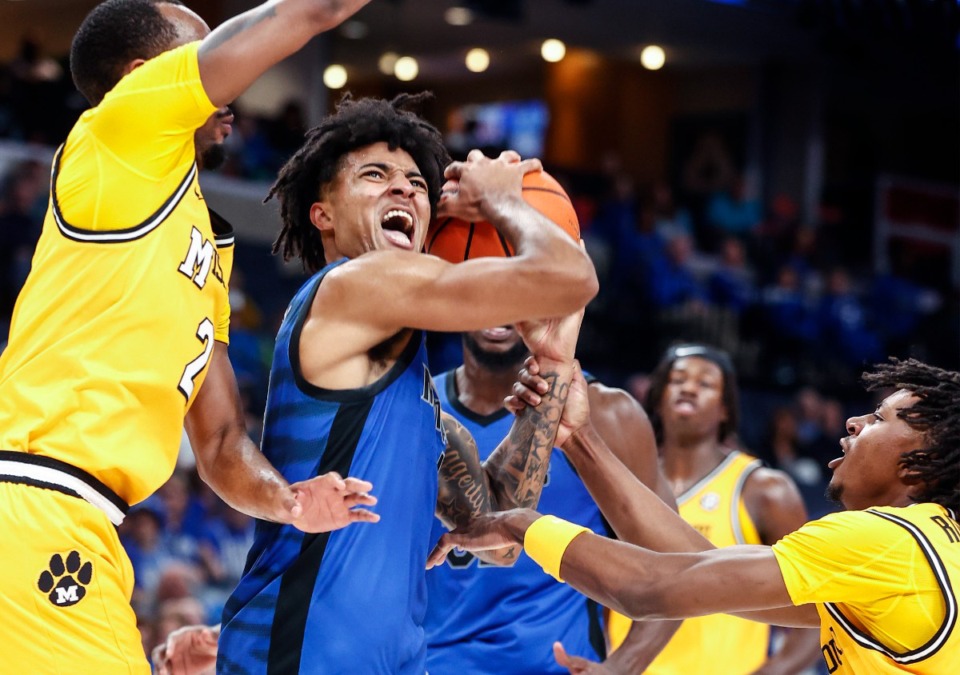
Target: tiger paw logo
65, 581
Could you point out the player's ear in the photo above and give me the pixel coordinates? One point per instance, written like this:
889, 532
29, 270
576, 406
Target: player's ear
320, 216
133, 65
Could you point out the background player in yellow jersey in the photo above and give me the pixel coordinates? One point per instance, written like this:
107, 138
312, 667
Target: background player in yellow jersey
729, 498
879, 579
122, 319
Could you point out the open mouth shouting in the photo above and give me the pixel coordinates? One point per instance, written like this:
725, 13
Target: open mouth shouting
397, 227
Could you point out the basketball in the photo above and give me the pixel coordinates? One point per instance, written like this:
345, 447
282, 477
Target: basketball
457, 240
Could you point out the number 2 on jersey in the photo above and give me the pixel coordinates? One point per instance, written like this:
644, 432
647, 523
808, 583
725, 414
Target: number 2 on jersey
205, 334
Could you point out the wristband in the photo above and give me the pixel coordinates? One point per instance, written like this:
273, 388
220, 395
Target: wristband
546, 541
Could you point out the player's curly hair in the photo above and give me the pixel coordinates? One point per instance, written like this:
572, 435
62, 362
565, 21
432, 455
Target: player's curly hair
660, 377
356, 123
112, 35
937, 416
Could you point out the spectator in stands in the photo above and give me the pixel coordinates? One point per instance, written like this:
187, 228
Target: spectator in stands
844, 322
731, 285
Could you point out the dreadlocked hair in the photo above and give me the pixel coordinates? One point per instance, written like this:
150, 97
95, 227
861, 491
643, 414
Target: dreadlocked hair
937, 416
355, 124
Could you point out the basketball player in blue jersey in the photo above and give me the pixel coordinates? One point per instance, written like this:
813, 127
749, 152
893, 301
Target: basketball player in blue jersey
350, 390
484, 618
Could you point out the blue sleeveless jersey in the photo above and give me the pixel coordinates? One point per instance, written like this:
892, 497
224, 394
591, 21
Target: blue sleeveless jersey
353, 600
483, 618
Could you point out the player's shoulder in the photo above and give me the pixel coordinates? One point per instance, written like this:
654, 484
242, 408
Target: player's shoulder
766, 488
613, 399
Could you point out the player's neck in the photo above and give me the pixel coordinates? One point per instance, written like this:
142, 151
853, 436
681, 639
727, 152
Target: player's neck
688, 459
480, 389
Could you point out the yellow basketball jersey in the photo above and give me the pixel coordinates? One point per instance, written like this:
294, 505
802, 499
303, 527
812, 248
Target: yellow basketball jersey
115, 326
714, 506
885, 582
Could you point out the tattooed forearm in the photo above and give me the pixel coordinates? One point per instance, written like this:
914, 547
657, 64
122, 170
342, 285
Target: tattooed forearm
464, 493
463, 485
518, 467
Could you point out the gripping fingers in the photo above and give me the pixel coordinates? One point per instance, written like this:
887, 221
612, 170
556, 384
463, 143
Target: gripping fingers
510, 156
525, 394
531, 165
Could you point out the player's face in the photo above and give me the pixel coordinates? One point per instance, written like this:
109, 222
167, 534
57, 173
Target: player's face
499, 348
868, 473
692, 402
377, 201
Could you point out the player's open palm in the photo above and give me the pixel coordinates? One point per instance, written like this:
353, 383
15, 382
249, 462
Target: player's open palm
191, 650
329, 502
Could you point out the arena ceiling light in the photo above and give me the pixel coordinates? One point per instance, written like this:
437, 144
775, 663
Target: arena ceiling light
334, 76
458, 16
406, 69
478, 60
653, 57
387, 61
553, 50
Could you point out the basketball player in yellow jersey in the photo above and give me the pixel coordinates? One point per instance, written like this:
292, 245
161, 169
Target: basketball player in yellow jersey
880, 579
729, 498
123, 318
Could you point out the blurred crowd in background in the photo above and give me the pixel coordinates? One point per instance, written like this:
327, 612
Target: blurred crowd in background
697, 258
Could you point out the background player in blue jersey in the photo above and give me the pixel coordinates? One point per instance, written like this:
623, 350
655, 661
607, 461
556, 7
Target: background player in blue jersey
485, 618
350, 390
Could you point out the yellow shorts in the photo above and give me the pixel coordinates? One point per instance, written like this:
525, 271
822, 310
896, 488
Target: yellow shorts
65, 588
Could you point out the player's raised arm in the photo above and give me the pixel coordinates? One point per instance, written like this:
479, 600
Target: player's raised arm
243, 48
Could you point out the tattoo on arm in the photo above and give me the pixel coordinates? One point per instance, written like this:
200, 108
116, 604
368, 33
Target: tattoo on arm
463, 493
518, 467
237, 26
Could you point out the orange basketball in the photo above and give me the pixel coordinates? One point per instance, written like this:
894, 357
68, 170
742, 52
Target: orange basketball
457, 240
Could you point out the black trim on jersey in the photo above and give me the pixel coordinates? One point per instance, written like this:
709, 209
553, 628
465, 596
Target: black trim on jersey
939, 638
297, 583
42, 484
222, 229
51, 463
344, 395
595, 629
116, 236
453, 398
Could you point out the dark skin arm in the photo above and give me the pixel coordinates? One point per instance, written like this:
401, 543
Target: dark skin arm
776, 507
637, 515
514, 473
643, 584
234, 467
243, 48
625, 428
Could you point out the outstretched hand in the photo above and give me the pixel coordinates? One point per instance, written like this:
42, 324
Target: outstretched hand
480, 180
576, 664
487, 532
329, 502
529, 386
191, 650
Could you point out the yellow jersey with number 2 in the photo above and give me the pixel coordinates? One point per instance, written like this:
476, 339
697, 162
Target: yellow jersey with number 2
115, 326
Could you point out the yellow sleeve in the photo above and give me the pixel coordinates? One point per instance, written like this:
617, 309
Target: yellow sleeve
853, 556
222, 331
148, 120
